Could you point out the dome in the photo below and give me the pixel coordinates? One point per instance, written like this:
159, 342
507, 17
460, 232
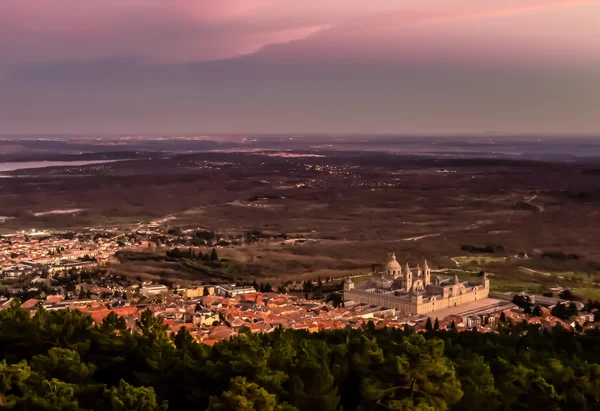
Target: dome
393, 264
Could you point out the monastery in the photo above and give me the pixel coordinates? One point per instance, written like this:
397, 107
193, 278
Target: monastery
412, 291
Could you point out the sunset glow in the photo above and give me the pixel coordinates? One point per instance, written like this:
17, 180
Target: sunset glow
300, 55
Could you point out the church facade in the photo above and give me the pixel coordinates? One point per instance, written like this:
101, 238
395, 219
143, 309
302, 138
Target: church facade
412, 290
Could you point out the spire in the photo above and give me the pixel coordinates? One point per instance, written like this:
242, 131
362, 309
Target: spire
407, 268
456, 279
393, 256
425, 265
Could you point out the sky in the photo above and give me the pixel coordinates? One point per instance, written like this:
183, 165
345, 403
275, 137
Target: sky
311, 66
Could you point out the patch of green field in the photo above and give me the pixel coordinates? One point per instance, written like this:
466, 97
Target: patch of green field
588, 293
565, 278
479, 260
505, 285
185, 268
462, 274
579, 276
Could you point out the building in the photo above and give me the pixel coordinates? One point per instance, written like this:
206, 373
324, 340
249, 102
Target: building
412, 290
472, 321
199, 291
348, 285
205, 317
232, 290
15, 270
66, 265
152, 290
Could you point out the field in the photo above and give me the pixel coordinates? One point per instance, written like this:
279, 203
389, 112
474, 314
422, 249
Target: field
340, 214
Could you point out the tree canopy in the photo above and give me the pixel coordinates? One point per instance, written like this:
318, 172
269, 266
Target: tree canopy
62, 361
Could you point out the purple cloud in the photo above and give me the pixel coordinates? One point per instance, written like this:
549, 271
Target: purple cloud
203, 30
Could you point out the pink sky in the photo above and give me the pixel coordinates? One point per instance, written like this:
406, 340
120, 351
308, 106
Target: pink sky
204, 30
375, 66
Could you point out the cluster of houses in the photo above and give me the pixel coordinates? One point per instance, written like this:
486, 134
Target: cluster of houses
215, 312
398, 297
24, 254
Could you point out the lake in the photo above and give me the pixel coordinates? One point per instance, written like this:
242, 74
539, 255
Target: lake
22, 165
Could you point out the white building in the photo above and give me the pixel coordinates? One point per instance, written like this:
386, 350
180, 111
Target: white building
152, 290
232, 290
412, 290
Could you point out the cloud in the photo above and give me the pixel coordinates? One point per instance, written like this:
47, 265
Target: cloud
175, 31
150, 30
533, 34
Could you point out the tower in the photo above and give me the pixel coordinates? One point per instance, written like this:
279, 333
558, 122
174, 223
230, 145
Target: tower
486, 281
348, 285
407, 278
415, 293
427, 272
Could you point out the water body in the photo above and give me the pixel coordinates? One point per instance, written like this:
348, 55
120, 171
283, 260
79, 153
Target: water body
23, 165
489, 146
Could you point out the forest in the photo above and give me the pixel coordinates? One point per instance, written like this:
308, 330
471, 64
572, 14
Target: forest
61, 360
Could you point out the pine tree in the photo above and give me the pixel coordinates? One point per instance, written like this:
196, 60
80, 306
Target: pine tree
428, 325
213, 255
436, 325
503, 317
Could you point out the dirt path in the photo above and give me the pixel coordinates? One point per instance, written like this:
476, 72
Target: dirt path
539, 272
539, 207
420, 237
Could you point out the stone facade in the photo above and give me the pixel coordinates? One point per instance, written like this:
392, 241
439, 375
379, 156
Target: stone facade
412, 291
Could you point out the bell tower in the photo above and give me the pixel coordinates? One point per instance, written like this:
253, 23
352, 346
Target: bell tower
407, 278
427, 273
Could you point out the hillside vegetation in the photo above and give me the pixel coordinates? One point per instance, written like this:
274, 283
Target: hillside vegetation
62, 361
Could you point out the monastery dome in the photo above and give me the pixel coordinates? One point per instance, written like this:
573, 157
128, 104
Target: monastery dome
393, 264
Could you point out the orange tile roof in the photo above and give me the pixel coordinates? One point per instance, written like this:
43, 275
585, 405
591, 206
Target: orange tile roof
32, 302
53, 298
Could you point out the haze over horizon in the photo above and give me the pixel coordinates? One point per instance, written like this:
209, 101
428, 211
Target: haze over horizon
259, 66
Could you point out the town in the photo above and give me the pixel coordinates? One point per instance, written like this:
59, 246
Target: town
55, 271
